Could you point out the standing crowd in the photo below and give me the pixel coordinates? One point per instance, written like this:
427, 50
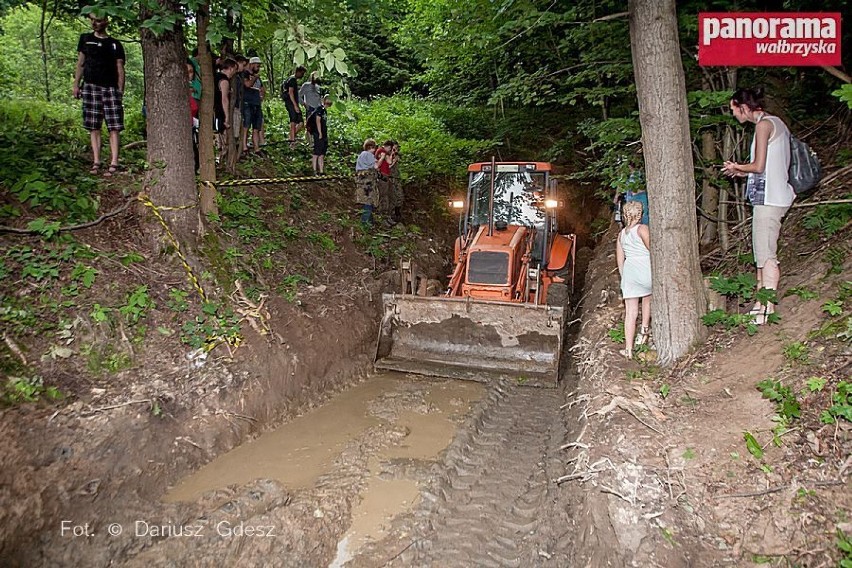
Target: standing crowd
239, 93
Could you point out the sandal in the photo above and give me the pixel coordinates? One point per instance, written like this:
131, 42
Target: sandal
112, 170
628, 353
95, 169
642, 337
760, 314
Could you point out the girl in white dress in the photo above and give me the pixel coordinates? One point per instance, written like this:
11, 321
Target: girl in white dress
634, 264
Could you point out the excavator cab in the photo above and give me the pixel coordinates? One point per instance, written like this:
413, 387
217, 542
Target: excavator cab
502, 314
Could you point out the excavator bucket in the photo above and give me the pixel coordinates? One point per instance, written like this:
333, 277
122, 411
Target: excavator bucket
469, 339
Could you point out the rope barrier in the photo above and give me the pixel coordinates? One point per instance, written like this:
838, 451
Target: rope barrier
233, 339
267, 181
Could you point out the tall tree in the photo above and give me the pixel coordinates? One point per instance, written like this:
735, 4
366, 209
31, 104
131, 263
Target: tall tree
661, 90
206, 153
171, 177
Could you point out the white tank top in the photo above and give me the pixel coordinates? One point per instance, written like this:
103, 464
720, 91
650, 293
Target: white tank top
777, 190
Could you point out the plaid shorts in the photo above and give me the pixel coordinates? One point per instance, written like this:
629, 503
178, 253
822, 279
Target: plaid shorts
102, 103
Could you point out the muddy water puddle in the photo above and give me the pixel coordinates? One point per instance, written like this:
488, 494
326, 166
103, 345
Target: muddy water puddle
424, 413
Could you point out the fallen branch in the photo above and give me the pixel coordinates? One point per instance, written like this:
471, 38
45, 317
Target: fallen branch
771, 490
101, 219
114, 406
826, 202
605, 489
188, 441
13, 347
841, 172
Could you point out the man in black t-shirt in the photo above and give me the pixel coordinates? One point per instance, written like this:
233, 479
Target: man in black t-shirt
290, 94
100, 65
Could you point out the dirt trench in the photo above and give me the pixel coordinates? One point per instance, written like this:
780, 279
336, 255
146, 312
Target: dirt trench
86, 484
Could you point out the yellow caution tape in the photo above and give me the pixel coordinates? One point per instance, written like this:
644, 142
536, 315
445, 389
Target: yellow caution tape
233, 339
267, 181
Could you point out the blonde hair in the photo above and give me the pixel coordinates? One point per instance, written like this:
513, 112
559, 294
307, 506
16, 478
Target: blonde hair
632, 213
369, 143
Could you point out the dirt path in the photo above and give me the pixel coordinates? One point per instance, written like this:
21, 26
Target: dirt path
489, 499
397, 471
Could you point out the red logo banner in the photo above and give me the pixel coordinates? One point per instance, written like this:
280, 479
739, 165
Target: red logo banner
769, 39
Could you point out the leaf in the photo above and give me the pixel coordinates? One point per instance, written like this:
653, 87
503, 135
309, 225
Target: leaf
329, 61
311, 52
689, 454
754, 448
341, 67
299, 56
339, 53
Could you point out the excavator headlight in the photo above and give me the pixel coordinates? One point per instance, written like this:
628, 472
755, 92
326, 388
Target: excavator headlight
456, 204
551, 204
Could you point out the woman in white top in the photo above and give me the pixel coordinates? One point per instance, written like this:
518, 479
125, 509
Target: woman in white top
767, 188
634, 264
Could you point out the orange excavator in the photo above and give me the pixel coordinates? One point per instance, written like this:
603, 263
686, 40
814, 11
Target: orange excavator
502, 314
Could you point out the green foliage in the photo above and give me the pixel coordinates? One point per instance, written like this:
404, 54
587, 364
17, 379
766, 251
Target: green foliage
616, 334
802, 292
742, 285
842, 404
730, 321
215, 322
83, 274
289, 288
844, 93
844, 544
138, 302
753, 446
816, 384
32, 389
177, 301
99, 313
40, 165
833, 307
428, 149
241, 211
46, 263
796, 352
665, 389
323, 240
611, 152
106, 358
131, 257
398, 243
787, 406
829, 219
835, 257
18, 317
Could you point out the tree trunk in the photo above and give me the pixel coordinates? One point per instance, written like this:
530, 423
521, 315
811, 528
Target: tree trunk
206, 150
269, 65
678, 293
43, 45
729, 79
171, 175
709, 191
